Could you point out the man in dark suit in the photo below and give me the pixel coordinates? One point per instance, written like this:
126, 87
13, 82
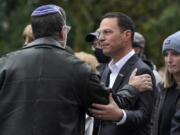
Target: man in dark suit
116, 32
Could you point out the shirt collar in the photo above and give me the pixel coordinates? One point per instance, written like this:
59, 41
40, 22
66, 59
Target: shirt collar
116, 67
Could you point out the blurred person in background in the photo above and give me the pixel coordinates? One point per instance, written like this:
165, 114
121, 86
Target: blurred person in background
161, 71
139, 46
89, 59
102, 59
28, 34
166, 116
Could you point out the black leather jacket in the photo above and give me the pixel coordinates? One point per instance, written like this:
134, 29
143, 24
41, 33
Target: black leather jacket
46, 91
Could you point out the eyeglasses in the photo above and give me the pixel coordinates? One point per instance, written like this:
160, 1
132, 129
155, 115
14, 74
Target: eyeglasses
67, 28
105, 32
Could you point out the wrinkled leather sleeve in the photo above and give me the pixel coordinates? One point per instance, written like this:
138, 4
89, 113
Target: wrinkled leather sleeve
126, 97
98, 93
92, 91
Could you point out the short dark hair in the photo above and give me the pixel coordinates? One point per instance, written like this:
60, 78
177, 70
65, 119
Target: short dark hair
124, 21
47, 25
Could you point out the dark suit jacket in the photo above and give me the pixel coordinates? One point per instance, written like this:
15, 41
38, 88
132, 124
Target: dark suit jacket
138, 116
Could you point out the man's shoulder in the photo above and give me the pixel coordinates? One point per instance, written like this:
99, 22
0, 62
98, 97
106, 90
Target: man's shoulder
137, 62
140, 64
11, 54
78, 65
143, 68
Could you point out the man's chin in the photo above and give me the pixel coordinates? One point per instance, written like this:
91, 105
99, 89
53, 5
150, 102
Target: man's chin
106, 53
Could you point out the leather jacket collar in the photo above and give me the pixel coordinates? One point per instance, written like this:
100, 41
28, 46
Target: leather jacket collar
44, 41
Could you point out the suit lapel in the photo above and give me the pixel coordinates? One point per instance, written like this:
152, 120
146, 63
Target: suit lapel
105, 75
123, 73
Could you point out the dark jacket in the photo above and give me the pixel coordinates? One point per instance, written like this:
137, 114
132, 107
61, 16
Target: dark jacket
166, 116
138, 115
46, 91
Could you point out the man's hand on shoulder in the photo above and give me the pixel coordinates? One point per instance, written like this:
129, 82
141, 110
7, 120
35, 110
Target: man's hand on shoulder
141, 82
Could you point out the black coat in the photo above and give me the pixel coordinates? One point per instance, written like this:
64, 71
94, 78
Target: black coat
166, 116
138, 116
46, 91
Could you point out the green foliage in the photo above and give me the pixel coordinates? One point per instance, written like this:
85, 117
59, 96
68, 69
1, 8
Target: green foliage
15, 16
159, 28
155, 19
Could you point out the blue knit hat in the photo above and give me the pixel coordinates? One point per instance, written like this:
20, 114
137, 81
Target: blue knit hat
49, 9
172, 42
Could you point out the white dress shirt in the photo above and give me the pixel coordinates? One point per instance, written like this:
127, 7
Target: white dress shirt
115, 68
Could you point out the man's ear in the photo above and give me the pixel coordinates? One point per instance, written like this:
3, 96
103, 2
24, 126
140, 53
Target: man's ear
128, 34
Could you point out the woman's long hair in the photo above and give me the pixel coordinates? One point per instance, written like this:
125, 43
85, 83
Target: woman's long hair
168, 79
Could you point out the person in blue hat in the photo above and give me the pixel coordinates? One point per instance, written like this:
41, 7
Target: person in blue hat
44, 90
166, 119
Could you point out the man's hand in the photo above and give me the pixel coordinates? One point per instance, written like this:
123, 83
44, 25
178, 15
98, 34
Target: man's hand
141, 82
107, 112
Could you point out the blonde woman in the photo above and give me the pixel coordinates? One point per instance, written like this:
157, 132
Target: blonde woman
89, 59
166, 120
28, 34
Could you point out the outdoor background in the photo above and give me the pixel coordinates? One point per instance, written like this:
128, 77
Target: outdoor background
155, 19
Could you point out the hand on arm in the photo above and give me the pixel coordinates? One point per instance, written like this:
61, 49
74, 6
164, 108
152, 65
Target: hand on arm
141, 82
107, 112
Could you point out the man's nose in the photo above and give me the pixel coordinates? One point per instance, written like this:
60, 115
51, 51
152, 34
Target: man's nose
101, 37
